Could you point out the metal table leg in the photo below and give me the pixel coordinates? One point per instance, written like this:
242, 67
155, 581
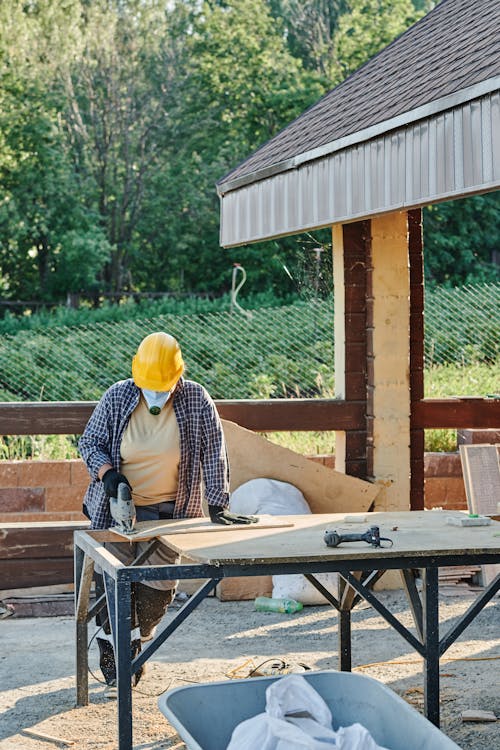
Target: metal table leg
123, 620
344, 637
84, 571
431, 643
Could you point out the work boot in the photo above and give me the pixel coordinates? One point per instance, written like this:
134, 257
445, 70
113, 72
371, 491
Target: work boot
107, 661
108, 665
150, 605
136, 650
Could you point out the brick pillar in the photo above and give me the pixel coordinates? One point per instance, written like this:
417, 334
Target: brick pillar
351, 247
417, 435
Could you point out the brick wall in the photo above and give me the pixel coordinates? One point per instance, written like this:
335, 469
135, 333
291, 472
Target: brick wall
53, 490
42, 490
443, 481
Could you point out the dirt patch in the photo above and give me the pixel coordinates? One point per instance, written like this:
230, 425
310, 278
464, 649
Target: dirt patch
38, 682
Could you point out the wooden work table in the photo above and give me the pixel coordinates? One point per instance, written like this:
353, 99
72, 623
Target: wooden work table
421, 541
415, 534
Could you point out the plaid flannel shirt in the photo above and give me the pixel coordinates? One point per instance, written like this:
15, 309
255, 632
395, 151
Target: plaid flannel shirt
203, 453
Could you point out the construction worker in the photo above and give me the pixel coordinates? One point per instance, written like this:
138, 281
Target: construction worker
161, 434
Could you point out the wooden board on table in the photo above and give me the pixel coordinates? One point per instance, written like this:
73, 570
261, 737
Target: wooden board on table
325, 490
145, 530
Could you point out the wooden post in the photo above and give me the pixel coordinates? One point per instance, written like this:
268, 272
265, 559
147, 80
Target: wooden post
417, 434
351, 248
389, 361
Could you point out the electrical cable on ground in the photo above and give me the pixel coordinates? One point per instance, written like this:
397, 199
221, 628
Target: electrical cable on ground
135, 689
449, 658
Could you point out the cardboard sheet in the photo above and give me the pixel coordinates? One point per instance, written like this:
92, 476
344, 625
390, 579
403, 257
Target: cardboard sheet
326, 490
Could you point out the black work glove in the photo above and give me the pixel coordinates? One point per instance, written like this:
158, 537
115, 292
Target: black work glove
111, 480
225, 518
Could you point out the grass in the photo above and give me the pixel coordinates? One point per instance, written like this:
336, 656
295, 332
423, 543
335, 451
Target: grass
477, 379
60, 447
306, 443
38, 447
285, 349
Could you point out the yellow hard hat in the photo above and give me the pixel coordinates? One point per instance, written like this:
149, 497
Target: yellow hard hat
158, 363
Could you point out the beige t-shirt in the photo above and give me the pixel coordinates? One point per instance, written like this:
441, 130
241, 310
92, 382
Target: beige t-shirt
150, 454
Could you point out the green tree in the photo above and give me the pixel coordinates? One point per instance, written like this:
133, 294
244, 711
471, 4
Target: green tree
239, 85
41, 207
366, 27
309, 27
462, 240
39, 202
117, 116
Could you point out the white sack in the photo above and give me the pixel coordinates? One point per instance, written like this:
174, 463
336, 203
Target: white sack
294, 695
268, 497
264, 732
297, 587
271, 730
279, 729
272, 497
356, 737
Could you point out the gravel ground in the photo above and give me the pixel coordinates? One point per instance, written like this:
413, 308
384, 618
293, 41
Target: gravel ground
38, 682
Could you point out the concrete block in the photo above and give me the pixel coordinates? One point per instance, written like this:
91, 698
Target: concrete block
22, 499
468, 521
8, 474
323, 459
43, 473
442, 465
78, 472
445, 492
63, 499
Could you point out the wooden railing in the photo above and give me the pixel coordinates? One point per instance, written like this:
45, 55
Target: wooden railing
44, 555
70, 417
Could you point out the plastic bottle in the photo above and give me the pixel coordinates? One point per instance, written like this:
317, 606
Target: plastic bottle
267, 604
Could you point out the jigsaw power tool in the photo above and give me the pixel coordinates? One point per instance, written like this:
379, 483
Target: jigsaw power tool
122, 509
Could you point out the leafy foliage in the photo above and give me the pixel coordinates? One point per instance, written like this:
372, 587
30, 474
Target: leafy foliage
367, 27
273, 360
463, 325
461, 239
117, 117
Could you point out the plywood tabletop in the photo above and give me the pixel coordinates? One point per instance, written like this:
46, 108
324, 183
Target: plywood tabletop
415, 533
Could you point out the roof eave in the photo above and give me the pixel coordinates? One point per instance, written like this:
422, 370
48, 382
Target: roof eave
419, 113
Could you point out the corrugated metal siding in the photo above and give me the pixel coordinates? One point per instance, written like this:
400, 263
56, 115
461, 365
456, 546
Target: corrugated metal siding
451, 154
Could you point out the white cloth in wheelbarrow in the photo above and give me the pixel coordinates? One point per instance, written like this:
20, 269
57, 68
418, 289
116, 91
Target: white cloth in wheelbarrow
297, 718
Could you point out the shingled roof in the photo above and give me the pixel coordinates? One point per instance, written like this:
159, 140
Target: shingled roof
452, 48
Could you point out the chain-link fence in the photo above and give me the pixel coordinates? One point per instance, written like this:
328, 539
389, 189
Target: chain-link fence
462, 326
266, 353
278, 352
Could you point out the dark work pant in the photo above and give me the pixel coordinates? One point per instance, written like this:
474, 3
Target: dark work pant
148, 605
